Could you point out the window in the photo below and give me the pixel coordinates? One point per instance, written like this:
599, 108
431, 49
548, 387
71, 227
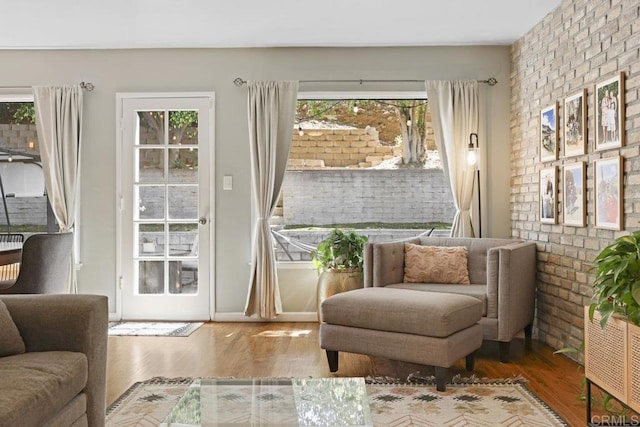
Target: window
24, 204
361, 161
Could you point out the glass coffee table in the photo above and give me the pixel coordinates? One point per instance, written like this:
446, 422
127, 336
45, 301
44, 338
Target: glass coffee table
271, 402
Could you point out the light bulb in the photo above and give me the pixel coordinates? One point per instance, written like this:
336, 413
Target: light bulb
300, 131
409, 123
472, 157
355, 109
10, 158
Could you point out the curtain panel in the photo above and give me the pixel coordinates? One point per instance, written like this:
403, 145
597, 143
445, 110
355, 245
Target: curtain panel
454, 113
272, 109
59, 125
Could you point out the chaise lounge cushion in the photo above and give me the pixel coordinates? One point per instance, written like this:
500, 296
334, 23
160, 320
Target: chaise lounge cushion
378, 308
10, 340
35, 385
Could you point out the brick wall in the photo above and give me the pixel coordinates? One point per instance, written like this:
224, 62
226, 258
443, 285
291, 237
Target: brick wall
337, 147
578, 45
347, 196
17, 137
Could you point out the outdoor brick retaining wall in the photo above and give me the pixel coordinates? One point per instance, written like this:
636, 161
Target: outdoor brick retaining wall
17, 137
339, 147
581, 43
346, 196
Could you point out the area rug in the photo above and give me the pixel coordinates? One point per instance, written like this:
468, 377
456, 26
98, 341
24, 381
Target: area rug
411, 402
150, 329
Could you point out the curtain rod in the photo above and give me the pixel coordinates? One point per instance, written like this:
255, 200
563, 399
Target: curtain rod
88, 86
491, 81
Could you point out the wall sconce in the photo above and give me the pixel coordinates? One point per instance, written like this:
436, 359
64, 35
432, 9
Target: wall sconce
472, 160
31, 145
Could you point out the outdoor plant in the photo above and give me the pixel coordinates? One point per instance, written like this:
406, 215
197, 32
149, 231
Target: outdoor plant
340, 252
617, 282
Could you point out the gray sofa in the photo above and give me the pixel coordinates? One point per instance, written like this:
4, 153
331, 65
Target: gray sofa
502, 273
60, 379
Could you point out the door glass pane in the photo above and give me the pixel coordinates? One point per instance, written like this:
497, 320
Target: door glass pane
150, 201
183, 127
150, 165
183, 165
183, 201
150, 240
183, 240
151, 127
151, 277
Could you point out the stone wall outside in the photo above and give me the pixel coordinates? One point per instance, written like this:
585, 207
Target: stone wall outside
346, 196
580, 44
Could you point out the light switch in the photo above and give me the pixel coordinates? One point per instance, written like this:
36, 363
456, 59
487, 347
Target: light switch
227, 182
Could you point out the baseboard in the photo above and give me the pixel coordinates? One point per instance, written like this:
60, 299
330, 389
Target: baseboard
240, 317
284, 317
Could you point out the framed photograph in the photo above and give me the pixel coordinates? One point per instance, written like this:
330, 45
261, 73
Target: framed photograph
549, 133
574, 194
608, 193
548, 193
609, 108
575, 124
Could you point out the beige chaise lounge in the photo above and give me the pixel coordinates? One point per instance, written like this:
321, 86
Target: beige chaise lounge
502, 273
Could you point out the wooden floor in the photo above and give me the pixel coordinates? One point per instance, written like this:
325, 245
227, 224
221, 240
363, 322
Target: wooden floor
243, 350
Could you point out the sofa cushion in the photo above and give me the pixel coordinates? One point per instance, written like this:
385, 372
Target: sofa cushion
35, 386
435, 264
400, 310
476, 291
10, 340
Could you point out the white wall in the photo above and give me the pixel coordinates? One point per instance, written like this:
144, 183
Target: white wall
166, 70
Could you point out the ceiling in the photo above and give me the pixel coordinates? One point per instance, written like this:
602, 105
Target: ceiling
105, 24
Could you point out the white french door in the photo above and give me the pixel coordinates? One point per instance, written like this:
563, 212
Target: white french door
166, 197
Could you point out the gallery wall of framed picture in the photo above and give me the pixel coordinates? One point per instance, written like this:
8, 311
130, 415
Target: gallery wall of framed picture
568, 139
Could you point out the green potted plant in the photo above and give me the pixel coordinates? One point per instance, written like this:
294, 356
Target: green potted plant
616, 305
617, 282
339, 260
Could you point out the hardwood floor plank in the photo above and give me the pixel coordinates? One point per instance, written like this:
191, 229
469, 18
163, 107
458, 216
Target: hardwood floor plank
243, 350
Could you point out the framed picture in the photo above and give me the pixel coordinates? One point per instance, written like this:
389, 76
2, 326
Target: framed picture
609, 108
574, 194
549, 133
608, 193
575, 124
548, 192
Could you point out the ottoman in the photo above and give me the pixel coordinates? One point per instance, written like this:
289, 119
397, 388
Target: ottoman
429, 328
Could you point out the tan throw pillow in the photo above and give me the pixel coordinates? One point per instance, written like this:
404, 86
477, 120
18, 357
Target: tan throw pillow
10, 340
435, 264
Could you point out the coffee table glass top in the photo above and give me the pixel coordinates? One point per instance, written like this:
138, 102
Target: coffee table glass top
270, 402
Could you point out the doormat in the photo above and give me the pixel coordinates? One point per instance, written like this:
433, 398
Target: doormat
466, 402
153, 329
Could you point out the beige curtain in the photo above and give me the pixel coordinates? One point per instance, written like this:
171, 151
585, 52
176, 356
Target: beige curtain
454, 112
59, 125
272, 109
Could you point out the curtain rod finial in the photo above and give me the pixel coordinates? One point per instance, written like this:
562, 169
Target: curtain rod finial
87, 86
491, 81
239, 81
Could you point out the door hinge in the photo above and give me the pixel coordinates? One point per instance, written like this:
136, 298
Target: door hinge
121, 283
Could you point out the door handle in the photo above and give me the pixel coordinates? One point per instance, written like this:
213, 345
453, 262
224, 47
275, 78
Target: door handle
203, 221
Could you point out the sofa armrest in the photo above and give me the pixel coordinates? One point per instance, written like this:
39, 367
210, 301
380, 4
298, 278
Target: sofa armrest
68, 323
516, 283
387, 263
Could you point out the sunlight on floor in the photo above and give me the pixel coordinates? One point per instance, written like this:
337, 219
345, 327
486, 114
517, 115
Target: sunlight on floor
294, 333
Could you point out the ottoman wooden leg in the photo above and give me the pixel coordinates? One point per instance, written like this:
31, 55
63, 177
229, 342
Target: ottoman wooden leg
504, 351
441, 378
332, 358
470, 361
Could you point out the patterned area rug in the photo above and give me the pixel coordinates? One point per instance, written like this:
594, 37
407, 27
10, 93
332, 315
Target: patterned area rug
154, 329
414, 402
